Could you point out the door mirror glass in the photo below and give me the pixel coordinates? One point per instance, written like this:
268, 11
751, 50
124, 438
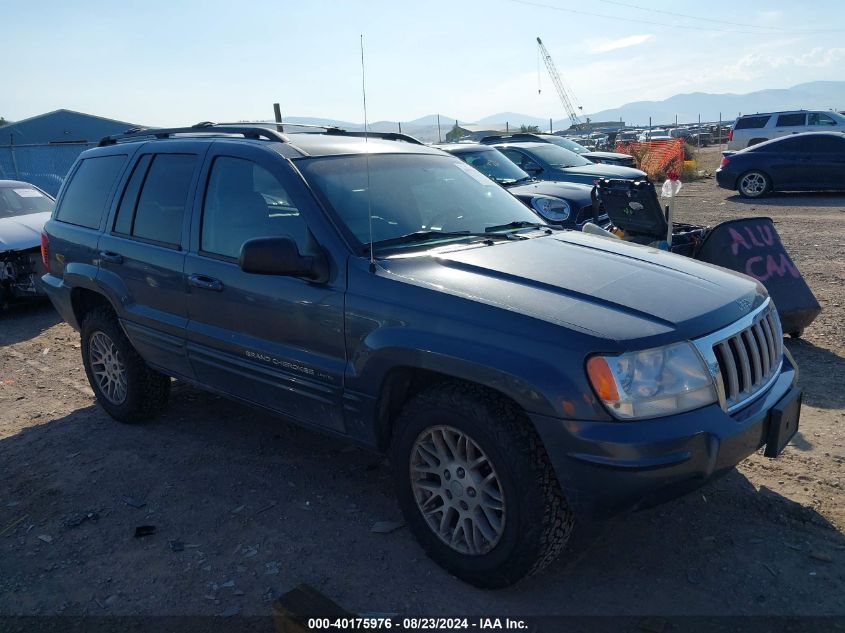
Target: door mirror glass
280, 256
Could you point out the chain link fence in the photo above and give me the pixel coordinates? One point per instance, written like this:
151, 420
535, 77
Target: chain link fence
44, 166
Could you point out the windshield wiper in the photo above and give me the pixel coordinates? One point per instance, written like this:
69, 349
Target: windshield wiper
518, 224
425, 236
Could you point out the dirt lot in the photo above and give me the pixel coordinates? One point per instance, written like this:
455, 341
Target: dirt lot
256, 506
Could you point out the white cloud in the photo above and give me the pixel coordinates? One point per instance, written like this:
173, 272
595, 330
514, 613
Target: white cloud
605, 46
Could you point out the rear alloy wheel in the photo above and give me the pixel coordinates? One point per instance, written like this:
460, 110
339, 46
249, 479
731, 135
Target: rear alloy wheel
753, 184
126, 387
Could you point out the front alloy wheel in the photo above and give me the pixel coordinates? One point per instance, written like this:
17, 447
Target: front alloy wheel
457, 490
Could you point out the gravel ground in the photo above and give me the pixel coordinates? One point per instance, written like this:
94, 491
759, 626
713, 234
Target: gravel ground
246, 506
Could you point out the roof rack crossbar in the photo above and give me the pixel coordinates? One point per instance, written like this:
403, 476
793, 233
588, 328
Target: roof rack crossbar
204, 127
387, 136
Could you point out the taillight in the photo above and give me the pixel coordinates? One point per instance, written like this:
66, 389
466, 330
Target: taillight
730, 135
45, 251
724, 162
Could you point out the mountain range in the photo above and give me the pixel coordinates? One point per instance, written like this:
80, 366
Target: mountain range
817, 95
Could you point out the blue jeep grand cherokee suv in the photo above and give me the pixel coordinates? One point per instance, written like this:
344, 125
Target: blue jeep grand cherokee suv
386, 292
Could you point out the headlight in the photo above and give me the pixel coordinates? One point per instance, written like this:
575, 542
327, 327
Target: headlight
553, 209
652, 383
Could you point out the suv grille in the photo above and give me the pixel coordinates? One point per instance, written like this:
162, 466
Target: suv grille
749, 359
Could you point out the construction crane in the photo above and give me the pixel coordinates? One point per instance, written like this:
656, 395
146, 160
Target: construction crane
561, 91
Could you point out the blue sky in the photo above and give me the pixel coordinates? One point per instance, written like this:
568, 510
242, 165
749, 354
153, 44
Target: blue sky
169, 62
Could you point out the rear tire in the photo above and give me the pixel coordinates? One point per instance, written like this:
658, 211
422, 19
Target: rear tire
124, 385
753, 184
494, 511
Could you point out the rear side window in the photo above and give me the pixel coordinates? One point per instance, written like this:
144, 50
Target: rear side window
153, 205
792, 120
749, 122
86, 195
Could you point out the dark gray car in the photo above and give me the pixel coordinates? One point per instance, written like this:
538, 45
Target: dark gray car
548, 161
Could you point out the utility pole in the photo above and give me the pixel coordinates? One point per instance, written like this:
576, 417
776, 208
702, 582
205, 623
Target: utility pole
400, 127
277, 111
551, 130
439, 137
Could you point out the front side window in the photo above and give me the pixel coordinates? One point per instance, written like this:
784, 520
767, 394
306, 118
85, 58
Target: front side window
409, 193
84, 200
820, 118
792, 120
23, 200
243, 201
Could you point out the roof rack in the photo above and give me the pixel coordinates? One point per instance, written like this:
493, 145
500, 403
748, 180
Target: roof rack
205, 127
387, 136
515, 135
249, 129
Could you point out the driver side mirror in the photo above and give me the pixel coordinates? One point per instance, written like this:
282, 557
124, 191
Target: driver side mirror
280, 256
532, 168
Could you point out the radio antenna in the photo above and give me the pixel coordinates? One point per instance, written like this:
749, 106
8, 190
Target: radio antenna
367, 157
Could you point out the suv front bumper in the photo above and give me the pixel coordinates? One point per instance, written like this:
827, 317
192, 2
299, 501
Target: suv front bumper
609, 467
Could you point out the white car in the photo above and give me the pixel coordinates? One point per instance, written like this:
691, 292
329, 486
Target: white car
751, 129
24, 208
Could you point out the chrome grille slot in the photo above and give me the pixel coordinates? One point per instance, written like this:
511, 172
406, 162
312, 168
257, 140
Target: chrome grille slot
750, 358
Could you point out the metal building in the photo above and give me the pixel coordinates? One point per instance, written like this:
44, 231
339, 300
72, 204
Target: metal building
42, 149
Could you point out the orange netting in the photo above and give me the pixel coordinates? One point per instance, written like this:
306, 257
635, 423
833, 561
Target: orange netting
656, 157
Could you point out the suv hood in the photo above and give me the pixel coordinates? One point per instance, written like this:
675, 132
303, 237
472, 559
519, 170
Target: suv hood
608, 156
574, 191
635, 295
594, 171
22, 232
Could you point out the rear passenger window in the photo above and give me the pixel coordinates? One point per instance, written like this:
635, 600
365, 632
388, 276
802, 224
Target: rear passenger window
156, 212
88, 191
243, 200
749, 122
792, 120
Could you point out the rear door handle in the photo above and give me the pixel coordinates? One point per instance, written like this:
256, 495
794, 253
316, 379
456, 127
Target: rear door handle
205, 282
110, 257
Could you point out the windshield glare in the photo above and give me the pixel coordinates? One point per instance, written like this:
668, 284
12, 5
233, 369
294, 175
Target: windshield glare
556, 156
410, 193
495, 165
23, 200
572, 146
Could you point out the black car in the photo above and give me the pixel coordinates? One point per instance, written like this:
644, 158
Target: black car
565, 203
812, 161
548, 161
388, 294
607, 158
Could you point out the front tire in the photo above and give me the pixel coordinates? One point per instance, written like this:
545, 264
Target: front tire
124, 385
476, 487
753, 184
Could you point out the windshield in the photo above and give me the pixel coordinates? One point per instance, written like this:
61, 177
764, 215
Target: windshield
558, 157
23, 200
495, 165
410, 193
566, 143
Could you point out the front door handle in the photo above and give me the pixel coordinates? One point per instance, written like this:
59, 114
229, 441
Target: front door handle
110, 257
205, 282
